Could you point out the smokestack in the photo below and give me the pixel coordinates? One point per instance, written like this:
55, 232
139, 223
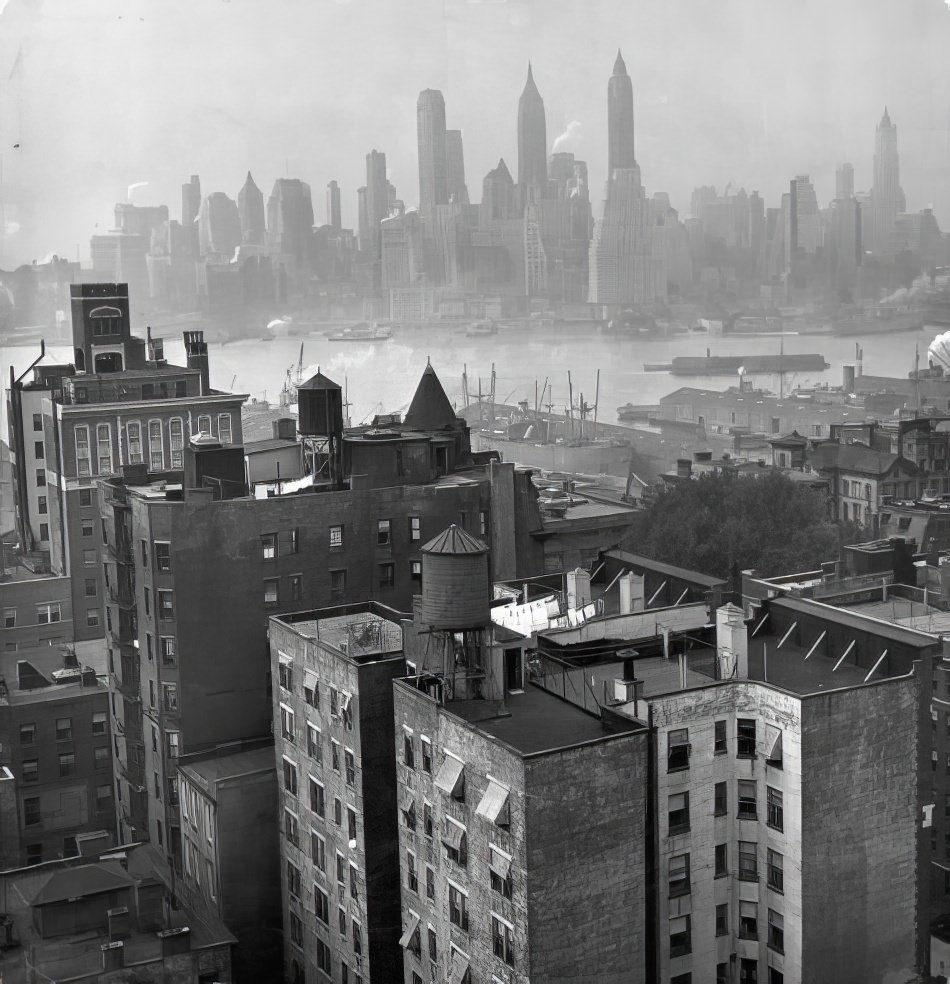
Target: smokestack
196, 350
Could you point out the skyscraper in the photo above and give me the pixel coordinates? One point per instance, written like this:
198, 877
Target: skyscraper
190, 201
433, 169
887, 199
455, 167
620, 118
219, 225
844, 181
498, 193
251, 210
290, 218
377, 198
334, 219
532, 139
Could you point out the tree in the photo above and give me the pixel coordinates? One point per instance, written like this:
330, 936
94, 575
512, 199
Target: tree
720, 524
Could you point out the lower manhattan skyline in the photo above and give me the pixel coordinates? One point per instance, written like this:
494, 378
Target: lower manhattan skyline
731, 95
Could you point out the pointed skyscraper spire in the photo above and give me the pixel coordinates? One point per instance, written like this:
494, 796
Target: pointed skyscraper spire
620, 119
532, 138
619, 67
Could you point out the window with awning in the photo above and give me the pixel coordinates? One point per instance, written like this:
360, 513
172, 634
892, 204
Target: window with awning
451, 778
455, 840
493, 805
409, 811
458, 971
773, 745
410, 939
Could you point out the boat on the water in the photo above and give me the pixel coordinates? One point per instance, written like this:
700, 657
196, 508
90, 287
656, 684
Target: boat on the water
481, 329
657, 366
363, 333
712, 365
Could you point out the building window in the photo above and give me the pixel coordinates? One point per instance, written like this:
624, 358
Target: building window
351, 823
44, 531
679, 936
40, 478
426, 746
176, 442
9, 618
90, 588
47, 614
163, 557
775, 810
773, 755
167, 646
354, 886
30, 770
156, 449
412, 879
722, 919
679, 875
324, 961
337, 585
415, 528
41, 507
285, 671
104, 449
357, 943
318, 851
38, 450
83, 454
349, 760
64, 729
67, 764
677, 753
430, 883
104, 797
748, 920
338, 811
87, 527
336, 537
383, 531
170, 697
678, 813
427, 827
745, 738
314, 744
166, 605
776, 871
90, 558
503, 943
719, 740
721, 861
269, 546
37, 421
776, 938
224, 428
335, 755
296, 587
133, 437
500, 872
408, 750
776, 976
287, 725
720, 799
458, 907
290, 776
292, 832
31, 811
92, 616
455, 839
317, 794
747, 800
387, 575
748, 861
686, 978
409, 813
28, 734
271, 592
99, 723
171, 746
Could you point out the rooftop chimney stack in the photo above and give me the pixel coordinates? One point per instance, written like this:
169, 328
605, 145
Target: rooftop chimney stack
196, 351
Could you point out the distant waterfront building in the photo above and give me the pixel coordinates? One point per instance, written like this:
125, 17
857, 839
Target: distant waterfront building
844, 181
620, 146
532, 140
334, 219
455, 167
433, 167
498, 193
844, 241
803, 223
887, 198
190, 201
219, 226
251, 211
290, 220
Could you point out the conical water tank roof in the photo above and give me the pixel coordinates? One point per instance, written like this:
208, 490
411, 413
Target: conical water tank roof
456, 587
430, 408
319, 382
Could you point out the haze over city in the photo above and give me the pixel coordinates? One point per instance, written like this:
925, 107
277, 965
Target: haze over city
106, 94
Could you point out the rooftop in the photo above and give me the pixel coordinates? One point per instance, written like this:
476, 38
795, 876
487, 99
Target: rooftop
223, 767
269, 444
359, 632
535, 721
638, 560
37, 679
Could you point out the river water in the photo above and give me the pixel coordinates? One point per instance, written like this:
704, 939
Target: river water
382, 376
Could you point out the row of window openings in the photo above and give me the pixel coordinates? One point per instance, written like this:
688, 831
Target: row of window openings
681, 928
747, 807
166, 648
30, 768
135, 445
33, 811
45, 614
502, 931
679, 868
288, 732
169, 696
340, 701
679, 747
64, 728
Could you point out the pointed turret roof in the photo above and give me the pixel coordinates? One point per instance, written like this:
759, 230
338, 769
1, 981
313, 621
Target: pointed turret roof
430, 408
454, 541
319, 382
619, 67
502, 170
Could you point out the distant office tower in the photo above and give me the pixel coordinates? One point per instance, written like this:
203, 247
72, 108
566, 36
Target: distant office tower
377, 199
887, 199
624, 269
844, 181
532, 139
190, 201
803, 223
401, 244
620, 118
757, 231
535, 260
433, 169
334, 220
455, 167
844, 234
290, 218
498, 193
219, 225
362, 227
251, 211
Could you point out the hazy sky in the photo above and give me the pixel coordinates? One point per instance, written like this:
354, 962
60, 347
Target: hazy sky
101, 94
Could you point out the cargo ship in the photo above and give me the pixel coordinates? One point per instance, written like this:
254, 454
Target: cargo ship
729, 365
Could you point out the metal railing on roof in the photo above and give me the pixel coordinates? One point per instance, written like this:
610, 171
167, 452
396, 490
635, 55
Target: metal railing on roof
564, 680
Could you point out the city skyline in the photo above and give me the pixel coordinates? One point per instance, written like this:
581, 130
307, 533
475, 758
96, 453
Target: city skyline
282, 129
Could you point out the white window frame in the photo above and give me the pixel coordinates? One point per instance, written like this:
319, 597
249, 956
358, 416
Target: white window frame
176, 454
224, 426
133, 440
104, 448
81, 437
152, 450
201, 429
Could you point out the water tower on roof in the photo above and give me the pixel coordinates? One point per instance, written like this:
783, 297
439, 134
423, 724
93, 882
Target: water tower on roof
455, 611
320, 422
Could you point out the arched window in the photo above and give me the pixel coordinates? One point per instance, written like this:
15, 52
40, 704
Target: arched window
104, 448
156, 448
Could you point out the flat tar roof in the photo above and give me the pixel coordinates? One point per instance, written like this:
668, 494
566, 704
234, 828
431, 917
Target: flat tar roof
536, 721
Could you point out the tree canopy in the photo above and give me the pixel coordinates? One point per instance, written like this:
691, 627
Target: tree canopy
720, 524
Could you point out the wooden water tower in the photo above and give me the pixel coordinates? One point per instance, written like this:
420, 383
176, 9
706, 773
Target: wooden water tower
320, 409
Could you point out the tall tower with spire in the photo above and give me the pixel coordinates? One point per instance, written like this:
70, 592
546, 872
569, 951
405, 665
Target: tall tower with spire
433, 166
251, 211
532, 139
620, 119
887, 199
